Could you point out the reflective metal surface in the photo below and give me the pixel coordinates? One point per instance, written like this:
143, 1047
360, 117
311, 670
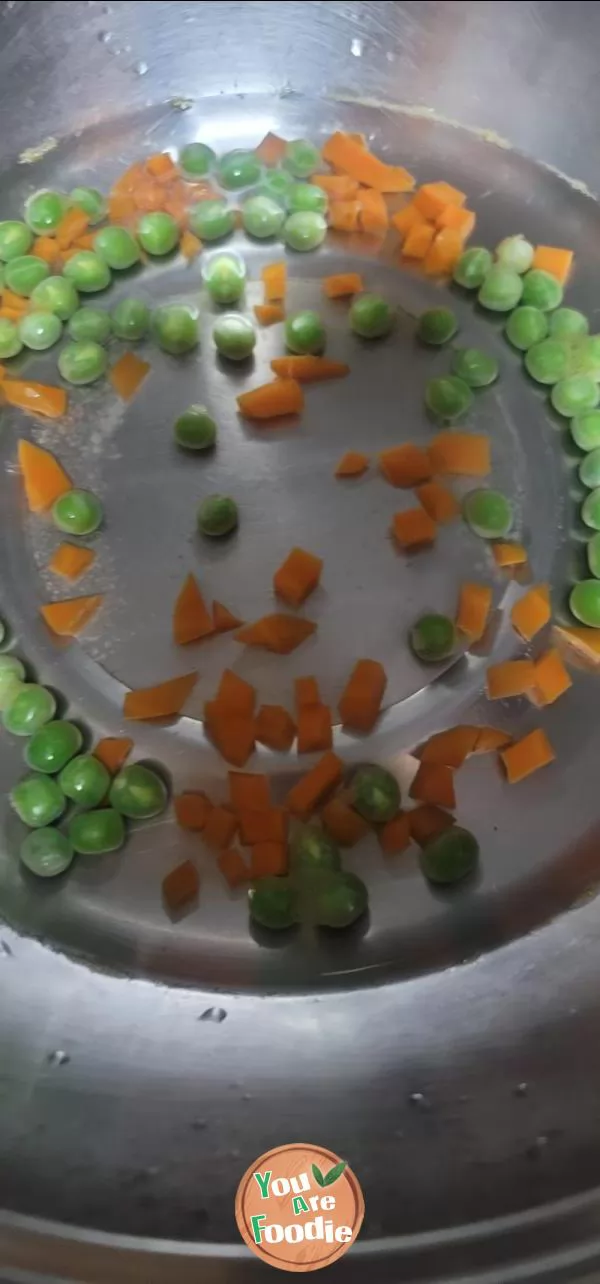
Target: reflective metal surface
450, 1053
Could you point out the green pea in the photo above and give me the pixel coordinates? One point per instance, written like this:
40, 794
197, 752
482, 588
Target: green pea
585, 355
436, 326
305, 333
448, 398
433, 638
568, 323
175, 328
10, 340
548, 362
238, 169
37, 800
593, 555
90, 325
542, 290
278, 184
273, 903
262, 216
91, 201
307, 196
584, 602
488, 513
78, 512
301, 158
305, 230
476, 368
85, 780
225, 277
44, 211
375, 794
29, 709
450, 857
234, 336
312, 850
12, 677
138, 793
341, 901
195, 429
576, 393
46, 852
158, 233
83, 362
516, 253
371, 316
50, 748
24, 273
40, 330
57, 295
196, 159
501, 290
87, 272
589, 469
117, 247
526, 327
585, 429
217, 515
15, 239
211, 220
590, 509
472, 267
131, 320
96, 832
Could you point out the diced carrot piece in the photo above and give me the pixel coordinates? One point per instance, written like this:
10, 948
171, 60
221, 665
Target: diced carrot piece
432, 198
554, 260
235, 695
339, 187
360, 701
274, 279
65, 255
263, 826
11, 314
271, 400
268, 859
342, 284
343, 823
71, 560
45, 247
525, 756
405, 465
585, 642
407, 218
192, 810
233, 867
14, 301
309, 369
113, 751
434, 784
275, 728
279, 633
439, 502
68, 618
223, 619
161, 165
121, 208
297, 577
269, 313
72, 224
450, 748
271, 150
352, 464
181, 886
418, 240
353, 158
85, 242
508, 554
474, 606
427, 822
489, 739
551, 679
532, 612
161, 701
510, 678
190, 245
306, 795
148, 195
127, 374
373, 216
2, 373
129, 178
38, 398
43, 478
461, 454
343, 216
314, 729
233, 734
394, 837
306, 693
203, 190
462, 220
191, 618
220, 828
444, 252
413, 528
249, 791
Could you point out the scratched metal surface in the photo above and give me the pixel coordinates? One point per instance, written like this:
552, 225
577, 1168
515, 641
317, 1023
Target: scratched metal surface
444, 1043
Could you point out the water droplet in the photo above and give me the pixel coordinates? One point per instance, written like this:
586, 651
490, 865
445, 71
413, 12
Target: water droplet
141, 68
521, 1090
152, 1172
58, 1058
213, 1014
391, 57
246, 1096
106, 10
104, 37
356, 47
539, 1145
419, 1101
5, 950
199, 1125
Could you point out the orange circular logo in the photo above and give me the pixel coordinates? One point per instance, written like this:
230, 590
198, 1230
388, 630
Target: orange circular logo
299, 1207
